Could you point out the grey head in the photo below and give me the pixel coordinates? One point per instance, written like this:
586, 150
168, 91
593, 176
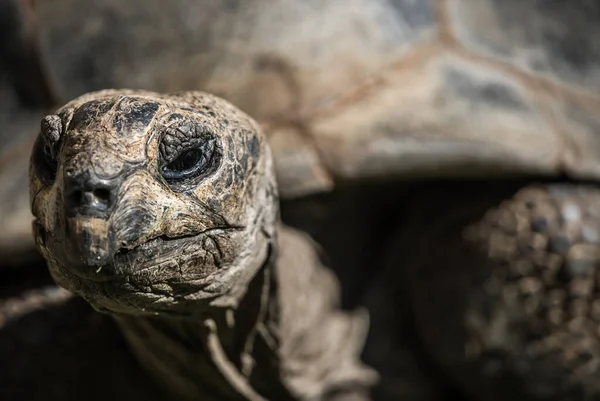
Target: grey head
147, 203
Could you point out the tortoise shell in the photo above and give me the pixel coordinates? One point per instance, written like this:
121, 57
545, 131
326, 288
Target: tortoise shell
346, 91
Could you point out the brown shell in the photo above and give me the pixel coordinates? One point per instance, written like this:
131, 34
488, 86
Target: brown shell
358, 89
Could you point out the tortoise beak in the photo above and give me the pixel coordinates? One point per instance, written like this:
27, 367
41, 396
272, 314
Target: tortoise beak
89, 243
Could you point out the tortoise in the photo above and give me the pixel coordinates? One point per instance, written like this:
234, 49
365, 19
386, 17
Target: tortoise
469, 123
162, 211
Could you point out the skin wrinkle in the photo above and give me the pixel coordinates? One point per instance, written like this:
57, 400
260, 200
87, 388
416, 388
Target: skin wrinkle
184, 255
202, 236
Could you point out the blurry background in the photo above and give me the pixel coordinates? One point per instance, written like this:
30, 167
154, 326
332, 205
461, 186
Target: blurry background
439, 68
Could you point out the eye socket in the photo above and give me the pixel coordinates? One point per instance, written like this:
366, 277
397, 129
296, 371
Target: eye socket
191, 162
44, 159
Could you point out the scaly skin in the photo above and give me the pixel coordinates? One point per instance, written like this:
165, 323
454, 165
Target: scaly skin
502, 279
162, 211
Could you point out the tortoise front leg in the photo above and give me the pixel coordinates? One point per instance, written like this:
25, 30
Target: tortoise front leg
503, 279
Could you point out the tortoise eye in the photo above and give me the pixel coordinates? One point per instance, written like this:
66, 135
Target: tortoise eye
43, 161
196, 159
190, 163
187, 161
188, 153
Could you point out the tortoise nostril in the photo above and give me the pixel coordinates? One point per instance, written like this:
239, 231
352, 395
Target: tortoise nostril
76, 198
89, 196
102, 195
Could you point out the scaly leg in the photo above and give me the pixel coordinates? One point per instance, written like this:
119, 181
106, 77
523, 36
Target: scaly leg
503, 280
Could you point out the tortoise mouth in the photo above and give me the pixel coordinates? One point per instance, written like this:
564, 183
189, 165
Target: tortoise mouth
148, 249
142, 279
158, 252
128, 261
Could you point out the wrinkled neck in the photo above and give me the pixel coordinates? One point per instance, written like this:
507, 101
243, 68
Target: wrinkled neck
228, 352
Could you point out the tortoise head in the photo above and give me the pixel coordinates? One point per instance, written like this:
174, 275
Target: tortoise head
147, 203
